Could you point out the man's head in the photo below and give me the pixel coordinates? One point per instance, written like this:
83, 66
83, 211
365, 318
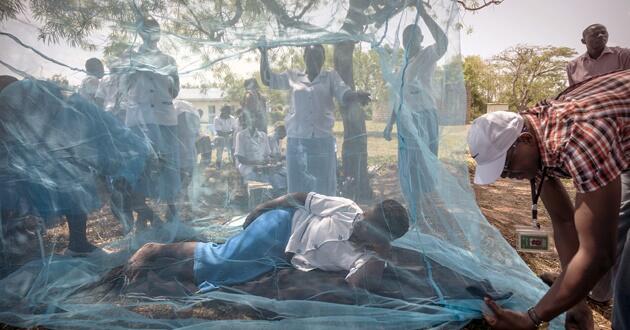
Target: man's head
412, 39
280, 131
6, 81
149, 30
314, 56
226, 111
251, 84
94, 67
381, 224
502, 147
595, 37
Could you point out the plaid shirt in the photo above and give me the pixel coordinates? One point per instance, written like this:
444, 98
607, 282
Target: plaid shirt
584, 133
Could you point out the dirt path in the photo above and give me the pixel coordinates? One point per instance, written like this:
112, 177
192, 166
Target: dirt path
507, 203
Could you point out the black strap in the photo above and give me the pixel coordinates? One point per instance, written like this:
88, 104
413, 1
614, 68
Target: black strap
536, 196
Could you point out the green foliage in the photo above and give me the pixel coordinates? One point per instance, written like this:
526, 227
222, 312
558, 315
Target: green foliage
531, 73
60, 80
481, 84
520, 76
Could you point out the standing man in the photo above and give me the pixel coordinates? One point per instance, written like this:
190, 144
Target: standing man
416, 114
152, 84
109, 93
225, 125
583, 134
311, 145
255, 105
600, 59
89, 84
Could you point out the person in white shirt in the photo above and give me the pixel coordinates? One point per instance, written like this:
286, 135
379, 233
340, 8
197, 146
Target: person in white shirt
188, 126
304, 230
255, 104
416, 116
311, 156
254, 160
109, 93
151, 84
224, 125
89, 84
279, 133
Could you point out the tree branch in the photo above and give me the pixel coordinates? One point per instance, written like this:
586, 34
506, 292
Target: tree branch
479, 7
304, 10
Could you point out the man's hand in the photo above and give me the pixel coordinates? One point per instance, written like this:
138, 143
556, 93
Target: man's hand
255, 213
579, 317
387, 132
364, 98
507, 319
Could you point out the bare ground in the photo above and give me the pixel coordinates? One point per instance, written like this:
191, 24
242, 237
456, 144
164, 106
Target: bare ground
505, 204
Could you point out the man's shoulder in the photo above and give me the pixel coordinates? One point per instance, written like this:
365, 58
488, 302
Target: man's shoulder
576, 60
620, 50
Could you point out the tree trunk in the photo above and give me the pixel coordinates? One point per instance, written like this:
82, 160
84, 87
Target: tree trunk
355, 180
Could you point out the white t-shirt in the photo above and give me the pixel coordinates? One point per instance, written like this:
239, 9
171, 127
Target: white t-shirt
274, 146
255, 148
109, 91
320, 233
88, 88
418, 93
225, 125
312, 111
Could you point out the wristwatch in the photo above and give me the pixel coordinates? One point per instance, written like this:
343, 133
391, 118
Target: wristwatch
538, 322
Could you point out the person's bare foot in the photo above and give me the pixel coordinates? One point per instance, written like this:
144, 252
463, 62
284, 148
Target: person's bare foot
579, 317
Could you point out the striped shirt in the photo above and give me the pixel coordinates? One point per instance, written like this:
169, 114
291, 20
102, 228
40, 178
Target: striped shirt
584, 133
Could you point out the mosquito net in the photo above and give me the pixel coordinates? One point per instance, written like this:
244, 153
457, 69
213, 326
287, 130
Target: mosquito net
124, 196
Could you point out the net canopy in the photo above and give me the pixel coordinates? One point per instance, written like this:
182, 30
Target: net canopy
123, 154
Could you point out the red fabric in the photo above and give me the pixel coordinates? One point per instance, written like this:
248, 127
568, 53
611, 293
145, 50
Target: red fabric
585, 133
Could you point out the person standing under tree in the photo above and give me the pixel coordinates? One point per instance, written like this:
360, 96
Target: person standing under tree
311, 157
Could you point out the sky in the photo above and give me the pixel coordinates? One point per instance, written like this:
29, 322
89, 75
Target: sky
493, 29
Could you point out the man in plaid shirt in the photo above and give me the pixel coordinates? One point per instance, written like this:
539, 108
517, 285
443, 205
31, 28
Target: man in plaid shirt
583, 134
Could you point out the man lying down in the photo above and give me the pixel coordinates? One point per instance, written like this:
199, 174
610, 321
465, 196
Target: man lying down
309, 246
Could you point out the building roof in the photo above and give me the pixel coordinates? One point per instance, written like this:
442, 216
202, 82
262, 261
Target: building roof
198, 94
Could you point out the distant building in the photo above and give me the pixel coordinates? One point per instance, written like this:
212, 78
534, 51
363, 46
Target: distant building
209, 100
492, 107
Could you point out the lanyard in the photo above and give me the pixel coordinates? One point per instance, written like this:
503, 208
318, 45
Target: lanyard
535, 196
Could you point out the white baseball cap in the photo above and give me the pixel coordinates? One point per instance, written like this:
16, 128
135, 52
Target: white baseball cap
489, 139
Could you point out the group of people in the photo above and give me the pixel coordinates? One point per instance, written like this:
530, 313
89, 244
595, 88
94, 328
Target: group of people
144, 146
584, 135
311, 227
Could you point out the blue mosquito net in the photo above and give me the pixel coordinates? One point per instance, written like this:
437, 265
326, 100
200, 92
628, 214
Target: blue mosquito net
127, 153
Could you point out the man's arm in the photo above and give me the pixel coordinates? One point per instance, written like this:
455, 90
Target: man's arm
245, 161
569, 73
368, 276
441, 40
387, 132
593, 249
289, 200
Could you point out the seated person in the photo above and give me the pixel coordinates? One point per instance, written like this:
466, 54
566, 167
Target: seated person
254, 159
306, 231
279, 133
